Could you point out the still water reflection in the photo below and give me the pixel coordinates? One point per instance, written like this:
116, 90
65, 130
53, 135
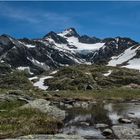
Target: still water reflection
84, 121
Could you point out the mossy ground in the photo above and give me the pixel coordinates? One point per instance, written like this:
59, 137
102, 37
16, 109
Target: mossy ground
70, 82
16, 122
104, 94
78, 77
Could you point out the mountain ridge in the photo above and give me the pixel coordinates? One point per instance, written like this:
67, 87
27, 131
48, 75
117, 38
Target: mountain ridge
67, 48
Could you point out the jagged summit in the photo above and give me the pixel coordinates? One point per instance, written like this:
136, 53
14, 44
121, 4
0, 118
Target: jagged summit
50, 34
6, 40
6, 36
69, 33
54, 36
89, 40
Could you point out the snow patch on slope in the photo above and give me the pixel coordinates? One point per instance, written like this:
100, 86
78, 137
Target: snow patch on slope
40, 83
30, 46
32, 78
27, 45
125, 56
64, 33
39, 64
2, 61
25, 68
53, 72
108, 73
133, 64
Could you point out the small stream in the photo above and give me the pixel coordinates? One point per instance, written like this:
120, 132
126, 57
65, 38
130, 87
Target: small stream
89, 120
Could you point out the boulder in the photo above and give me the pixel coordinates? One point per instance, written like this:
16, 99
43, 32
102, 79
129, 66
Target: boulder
84, 123
68, 106
61, 104
88, 87
107, 132
85, 105
15, 96
45, 107
133, 85
123, 120
77, 104
101, 125
124, 132
68, 101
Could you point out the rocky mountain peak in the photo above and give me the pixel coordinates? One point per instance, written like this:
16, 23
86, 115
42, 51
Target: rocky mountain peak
119, 41
5, 35
6, 39
69, 33
88, 40
55, 37
50, 34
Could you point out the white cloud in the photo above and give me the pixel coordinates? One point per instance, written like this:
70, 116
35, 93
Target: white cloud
38, 18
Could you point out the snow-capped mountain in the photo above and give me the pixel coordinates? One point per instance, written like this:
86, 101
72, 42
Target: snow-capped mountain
67, 48
71, 40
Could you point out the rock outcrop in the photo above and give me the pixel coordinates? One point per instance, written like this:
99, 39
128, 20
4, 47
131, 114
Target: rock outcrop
45, 107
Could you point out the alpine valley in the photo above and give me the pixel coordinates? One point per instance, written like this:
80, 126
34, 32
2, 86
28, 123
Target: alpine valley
69, 86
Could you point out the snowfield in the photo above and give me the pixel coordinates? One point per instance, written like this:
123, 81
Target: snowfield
82, 46
78, 46
133, 64
127, 56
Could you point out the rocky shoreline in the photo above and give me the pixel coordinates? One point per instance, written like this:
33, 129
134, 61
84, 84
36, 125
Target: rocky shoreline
125, 125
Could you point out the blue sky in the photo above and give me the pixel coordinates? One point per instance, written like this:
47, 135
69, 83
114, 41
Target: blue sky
100, 19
